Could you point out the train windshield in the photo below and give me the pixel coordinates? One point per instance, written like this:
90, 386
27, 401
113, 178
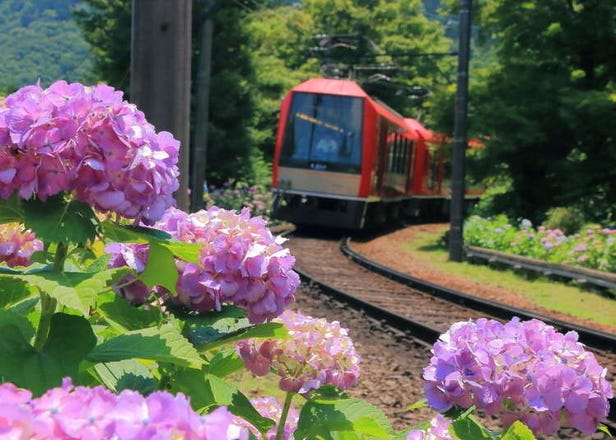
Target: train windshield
323, 132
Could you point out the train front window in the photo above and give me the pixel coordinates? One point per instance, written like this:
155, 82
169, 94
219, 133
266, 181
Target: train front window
323, 132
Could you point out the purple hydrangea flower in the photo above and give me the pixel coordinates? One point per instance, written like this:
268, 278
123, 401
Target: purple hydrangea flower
241, 263
318, 352
522, 370
89, 142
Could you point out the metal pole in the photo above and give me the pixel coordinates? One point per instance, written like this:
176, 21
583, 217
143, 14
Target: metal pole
160, 73
456, 240
199, 147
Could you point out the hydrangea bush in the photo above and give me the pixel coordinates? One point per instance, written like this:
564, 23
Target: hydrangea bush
236, 195
593, 246
124, 317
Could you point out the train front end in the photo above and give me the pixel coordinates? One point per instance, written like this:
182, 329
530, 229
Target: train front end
317, 170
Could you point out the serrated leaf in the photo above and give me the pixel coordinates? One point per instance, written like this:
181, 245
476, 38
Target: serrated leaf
468, 427
353, 418
76, 290
37, 371
164, 344
208, 392
267, 330
518, 431
160, 268
124, 316
137, 234
59, 220
224, 363
126, 375
11, 210
12, 290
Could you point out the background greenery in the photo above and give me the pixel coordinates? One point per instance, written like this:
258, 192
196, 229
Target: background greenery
542, 80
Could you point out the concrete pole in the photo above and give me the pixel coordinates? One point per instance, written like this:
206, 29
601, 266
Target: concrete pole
160, 73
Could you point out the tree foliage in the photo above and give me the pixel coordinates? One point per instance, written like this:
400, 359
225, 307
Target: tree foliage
548, 105
106, 25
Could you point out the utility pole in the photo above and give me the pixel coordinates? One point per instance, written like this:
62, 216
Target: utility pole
456, 240
204, 67
160, 73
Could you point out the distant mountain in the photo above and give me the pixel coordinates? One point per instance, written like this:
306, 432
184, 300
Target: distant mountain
40, 41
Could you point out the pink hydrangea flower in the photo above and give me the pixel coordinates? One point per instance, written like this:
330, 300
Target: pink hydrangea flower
270, 407
318, 352
522, 370
89, 142
17, 245
240, 263
69, 412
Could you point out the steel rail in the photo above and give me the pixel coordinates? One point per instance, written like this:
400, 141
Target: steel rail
590, 337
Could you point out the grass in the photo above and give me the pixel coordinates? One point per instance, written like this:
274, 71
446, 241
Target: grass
543, 292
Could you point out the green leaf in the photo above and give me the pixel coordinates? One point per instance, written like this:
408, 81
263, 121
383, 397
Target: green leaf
132, 234
423, 403
76, 290
22, 365
12, 290
60, 221
468, 427
164, 344
267, 330
11, 210
137, 234
352, 418
160, 269
126, 375
224, 363
8, 317
518, 431
124, 316
208, 392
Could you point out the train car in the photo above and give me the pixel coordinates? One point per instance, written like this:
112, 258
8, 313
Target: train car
344, 159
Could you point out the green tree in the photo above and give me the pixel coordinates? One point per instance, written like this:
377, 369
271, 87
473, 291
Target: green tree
105, 24
547, 107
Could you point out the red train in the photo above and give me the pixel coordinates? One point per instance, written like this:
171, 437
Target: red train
344, 159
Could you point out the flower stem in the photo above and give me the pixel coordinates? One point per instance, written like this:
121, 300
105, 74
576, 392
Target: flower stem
48, 304
283, 415
61, 252
48, 307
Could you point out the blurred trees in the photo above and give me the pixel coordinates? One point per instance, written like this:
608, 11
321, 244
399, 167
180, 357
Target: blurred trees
549, 104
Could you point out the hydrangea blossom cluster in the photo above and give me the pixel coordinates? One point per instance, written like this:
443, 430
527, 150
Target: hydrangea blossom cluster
317, 352
270, 407
438, 430
522, 370
17, 245
241, 262
69, 412
89, 142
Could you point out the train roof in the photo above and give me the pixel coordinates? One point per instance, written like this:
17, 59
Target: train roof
415, 125
329, 86
345, 87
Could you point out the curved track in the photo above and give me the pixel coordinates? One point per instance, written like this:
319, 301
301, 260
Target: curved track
421, 310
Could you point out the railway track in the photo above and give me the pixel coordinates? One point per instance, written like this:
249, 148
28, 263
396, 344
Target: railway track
422, 311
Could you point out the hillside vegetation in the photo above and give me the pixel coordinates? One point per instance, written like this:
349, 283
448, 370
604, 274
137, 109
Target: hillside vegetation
39, 39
